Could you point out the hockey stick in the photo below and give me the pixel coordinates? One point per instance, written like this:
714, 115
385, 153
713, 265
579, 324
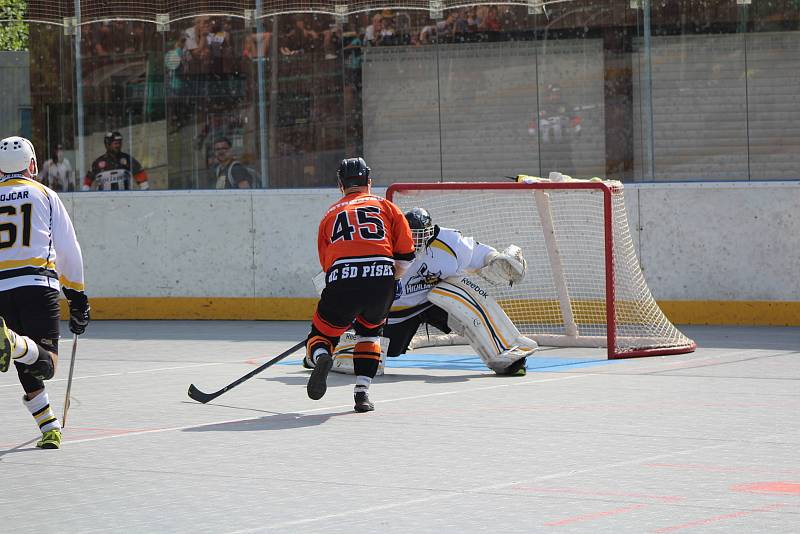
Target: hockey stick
199, 396
69, 380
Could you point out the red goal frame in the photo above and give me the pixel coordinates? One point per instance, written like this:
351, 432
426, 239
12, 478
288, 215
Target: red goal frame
607, 189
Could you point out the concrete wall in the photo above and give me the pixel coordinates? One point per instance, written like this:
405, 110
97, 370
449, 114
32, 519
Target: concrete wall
230, 254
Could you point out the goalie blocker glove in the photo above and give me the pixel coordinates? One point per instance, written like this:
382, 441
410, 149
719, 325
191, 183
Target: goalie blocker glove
79, 310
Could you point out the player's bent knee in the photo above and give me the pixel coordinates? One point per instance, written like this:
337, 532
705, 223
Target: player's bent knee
29, 382
44, 368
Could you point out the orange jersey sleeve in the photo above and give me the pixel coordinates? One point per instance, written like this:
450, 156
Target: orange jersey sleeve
361, 225
403, 242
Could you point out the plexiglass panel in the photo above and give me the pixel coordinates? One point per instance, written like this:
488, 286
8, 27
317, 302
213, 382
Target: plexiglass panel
239, 93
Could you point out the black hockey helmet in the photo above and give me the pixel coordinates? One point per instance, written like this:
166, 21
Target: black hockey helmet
353, 171
110, 137
422, 229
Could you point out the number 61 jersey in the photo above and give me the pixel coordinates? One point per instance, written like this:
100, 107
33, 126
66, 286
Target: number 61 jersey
363, 226
38, 246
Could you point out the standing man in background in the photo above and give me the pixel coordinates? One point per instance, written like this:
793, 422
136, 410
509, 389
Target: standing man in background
229, 173
39, 254
57, 172
114, 170
364, 245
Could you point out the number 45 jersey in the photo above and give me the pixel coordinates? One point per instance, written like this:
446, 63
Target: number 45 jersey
363, 227
38, 246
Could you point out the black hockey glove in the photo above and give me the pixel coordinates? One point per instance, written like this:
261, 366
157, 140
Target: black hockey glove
78, 310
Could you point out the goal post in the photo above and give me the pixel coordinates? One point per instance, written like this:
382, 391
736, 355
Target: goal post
584, 286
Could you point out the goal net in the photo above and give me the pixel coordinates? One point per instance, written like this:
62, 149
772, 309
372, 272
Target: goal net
584, 286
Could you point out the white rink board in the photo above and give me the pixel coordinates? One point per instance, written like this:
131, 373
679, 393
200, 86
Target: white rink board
721, 243
286, 240
715, 241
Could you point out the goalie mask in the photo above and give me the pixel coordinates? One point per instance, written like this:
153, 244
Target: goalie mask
17, 156
422, 229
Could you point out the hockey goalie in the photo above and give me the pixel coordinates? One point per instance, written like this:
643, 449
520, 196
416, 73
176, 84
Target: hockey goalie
439, 289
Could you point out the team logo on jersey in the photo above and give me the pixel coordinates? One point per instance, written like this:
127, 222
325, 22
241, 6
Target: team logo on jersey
422, 280
124, 161
101, 164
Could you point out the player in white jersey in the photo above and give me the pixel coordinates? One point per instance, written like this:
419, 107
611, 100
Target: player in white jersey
443, 253
39, 254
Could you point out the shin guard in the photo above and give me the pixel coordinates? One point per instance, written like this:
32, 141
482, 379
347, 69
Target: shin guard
343, 357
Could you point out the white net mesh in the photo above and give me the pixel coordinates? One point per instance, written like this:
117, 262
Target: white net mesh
562, 232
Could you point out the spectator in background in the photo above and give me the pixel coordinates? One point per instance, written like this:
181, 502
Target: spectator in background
373, 32
175, 63
115, 170
255, 44
221, 60
197, 39
388, 34
507, 18
555, 128
229, 173
351, 48
490, 23
446, 27
473, 21
302, 38
100, 39
56, 172
460, 27
428, 33
330, 41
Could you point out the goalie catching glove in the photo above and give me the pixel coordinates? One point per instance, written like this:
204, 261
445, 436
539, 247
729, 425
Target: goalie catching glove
508, 266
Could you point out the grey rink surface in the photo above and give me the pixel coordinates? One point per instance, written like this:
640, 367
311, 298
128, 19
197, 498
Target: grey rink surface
703, 442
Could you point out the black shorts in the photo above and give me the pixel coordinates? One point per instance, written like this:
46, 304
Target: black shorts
33, 311
360, 301
400, 334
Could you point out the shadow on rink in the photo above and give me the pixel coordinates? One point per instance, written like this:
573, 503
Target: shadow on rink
282, 421
19, 448
300, 378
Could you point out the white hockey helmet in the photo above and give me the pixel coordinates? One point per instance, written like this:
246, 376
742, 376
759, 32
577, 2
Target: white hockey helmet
17, 156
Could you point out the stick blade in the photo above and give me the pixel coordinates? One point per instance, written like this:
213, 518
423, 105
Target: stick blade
199, 396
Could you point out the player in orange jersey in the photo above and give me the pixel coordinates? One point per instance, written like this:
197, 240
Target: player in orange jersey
365, 245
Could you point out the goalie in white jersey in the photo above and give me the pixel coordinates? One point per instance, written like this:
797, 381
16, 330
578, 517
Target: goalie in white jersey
435, 290
39, 255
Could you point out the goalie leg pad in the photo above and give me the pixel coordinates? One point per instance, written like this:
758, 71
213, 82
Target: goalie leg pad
343, 356
487, 327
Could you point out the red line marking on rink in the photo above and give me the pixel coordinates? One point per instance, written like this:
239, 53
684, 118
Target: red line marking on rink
596, 515
714, 519
576, 491
769, 487
724, 469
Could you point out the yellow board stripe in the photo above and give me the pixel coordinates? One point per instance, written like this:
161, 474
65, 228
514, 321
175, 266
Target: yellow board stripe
756, 313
